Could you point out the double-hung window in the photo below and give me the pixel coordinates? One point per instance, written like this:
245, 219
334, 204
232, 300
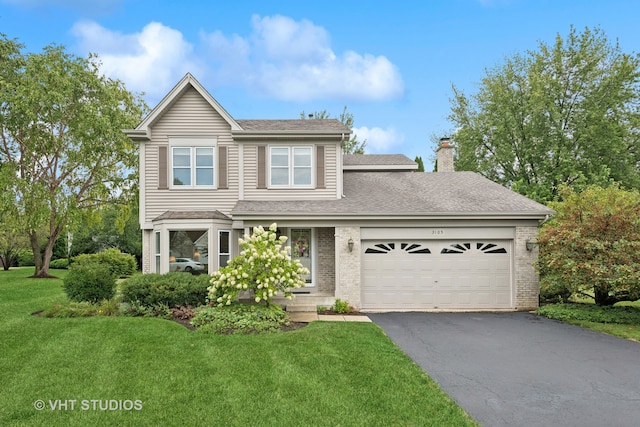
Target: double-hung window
290, 167
192, 166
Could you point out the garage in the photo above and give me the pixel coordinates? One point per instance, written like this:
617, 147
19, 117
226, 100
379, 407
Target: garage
431, 274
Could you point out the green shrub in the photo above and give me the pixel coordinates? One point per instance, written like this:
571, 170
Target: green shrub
591, 313
120, 264
171, 289
83, 309
25, 258
61, 263
240, 318
138, 310
553, 291
90, 282
343, 307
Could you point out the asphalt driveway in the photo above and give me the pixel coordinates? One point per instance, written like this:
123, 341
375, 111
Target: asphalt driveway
518, 369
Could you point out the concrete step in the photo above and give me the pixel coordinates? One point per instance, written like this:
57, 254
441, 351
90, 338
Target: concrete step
302, 308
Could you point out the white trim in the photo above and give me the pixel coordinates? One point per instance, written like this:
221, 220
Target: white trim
193, 143
291, 167
437, 233
408, 168
157, 251
187, 81
142, 204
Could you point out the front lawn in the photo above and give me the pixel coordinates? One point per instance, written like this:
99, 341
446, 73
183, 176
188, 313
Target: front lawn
150, 371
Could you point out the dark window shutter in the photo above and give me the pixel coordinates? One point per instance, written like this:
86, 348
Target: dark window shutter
320, 166
262, 166
162, 168
222, 168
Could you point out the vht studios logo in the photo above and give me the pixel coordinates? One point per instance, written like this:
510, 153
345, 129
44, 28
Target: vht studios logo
88, 405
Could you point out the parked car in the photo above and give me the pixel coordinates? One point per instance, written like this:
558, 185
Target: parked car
185, 264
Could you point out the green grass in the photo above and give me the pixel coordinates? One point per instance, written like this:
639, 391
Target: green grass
325, 374
622, 320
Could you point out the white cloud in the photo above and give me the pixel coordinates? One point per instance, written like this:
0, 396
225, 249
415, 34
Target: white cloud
281, 58
293, 60
379, 141
150, 61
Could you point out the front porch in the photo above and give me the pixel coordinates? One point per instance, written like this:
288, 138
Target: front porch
306, 302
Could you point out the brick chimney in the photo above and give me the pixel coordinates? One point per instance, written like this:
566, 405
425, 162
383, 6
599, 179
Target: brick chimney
444, 155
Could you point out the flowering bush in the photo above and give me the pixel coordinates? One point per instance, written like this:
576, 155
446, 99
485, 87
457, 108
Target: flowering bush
263, 267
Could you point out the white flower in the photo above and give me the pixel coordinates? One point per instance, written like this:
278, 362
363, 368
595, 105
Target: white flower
273, 227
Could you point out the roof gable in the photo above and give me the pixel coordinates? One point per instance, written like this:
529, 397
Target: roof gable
142, 131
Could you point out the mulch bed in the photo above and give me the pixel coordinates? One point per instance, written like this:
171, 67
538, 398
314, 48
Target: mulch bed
333, 313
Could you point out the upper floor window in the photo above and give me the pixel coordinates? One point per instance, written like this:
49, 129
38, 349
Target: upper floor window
290, 167
192, 166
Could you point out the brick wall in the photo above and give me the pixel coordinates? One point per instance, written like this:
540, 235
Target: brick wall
326, 269
348, 266
527, 281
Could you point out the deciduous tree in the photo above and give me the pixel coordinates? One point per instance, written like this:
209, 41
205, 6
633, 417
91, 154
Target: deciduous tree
566, 114
353, 145
62, 148
592, 245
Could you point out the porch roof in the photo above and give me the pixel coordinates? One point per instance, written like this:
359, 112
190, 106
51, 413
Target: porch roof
192, 215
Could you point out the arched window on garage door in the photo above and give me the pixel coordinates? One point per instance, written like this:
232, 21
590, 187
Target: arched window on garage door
385, 248
461, 248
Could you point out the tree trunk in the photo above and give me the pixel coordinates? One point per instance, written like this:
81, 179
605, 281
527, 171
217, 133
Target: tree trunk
35, 249
602, 297
42, 261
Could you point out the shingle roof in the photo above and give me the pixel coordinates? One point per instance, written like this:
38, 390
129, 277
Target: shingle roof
377, 160
408, 193
192, 215
299, 125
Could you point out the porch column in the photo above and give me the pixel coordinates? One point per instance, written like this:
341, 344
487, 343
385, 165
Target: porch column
348, 267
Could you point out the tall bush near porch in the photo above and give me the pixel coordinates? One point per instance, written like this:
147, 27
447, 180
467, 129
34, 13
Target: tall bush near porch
592, 245
263, 267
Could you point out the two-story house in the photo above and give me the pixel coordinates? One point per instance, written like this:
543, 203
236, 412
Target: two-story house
370, 229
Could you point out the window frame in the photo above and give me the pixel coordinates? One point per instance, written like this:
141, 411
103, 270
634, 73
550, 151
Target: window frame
220, 253
291, 166
193, 144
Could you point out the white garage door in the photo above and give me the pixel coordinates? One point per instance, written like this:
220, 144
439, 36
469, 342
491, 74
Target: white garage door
436, 274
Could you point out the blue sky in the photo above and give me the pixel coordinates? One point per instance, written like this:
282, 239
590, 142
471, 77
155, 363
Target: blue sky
391, 63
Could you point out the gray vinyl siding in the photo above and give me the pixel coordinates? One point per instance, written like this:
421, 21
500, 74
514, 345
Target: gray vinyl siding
252, 192
191, 115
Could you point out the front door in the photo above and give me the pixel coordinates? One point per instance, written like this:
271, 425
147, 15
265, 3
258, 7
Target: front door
301, 249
